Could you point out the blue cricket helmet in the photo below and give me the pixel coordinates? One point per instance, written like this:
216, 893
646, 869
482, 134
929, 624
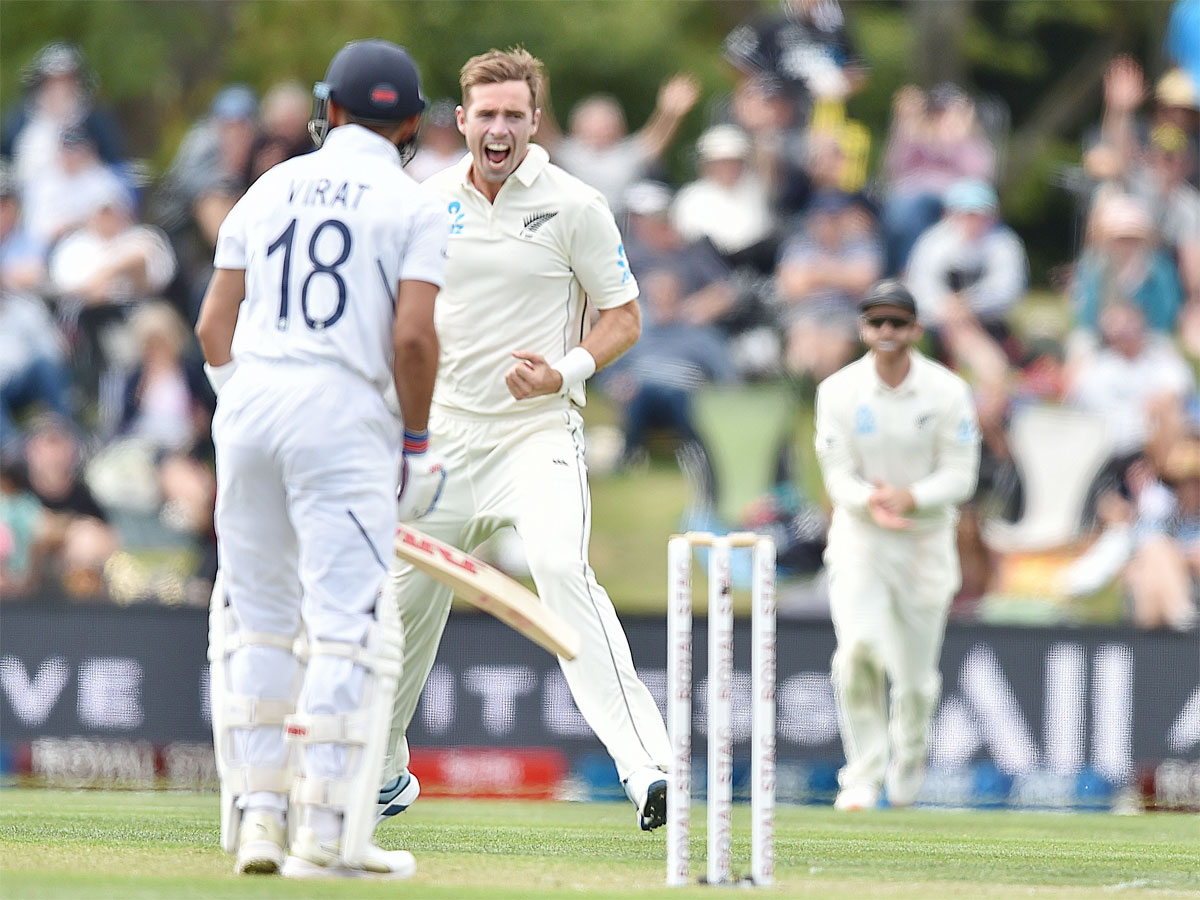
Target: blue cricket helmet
374, 80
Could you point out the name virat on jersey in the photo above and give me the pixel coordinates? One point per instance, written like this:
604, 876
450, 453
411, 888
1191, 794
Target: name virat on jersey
320, 192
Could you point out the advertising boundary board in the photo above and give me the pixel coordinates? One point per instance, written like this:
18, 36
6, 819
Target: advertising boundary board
1018, 703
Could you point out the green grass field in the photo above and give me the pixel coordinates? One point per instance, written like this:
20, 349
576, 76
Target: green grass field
135, 846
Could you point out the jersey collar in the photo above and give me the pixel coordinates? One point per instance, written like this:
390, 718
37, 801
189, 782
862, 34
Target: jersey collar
910, 382
355, 137
536, 159
532, 165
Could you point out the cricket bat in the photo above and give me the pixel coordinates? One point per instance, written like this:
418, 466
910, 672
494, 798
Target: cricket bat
488, 589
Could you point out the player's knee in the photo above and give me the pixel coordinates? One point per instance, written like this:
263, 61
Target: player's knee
918, 696
854, 662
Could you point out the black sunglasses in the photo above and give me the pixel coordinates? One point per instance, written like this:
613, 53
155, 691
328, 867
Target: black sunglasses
894, 321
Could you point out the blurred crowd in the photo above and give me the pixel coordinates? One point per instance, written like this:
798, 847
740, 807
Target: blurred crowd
749, 271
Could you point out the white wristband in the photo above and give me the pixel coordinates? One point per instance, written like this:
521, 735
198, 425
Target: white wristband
218, 376
575, 368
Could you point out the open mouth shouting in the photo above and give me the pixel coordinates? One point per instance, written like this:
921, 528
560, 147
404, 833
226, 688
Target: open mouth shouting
497, 154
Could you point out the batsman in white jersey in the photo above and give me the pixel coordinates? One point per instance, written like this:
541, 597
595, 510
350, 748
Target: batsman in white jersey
898, 444
323, 297
532, 252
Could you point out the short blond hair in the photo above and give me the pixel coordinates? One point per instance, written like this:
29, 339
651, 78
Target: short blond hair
499, 66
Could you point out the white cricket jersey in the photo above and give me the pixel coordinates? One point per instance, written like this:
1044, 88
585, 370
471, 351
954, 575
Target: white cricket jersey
325, 240
921, 435
521, 274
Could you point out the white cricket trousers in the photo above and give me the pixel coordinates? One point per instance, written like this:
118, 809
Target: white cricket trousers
530, 473
307, 461
889, 594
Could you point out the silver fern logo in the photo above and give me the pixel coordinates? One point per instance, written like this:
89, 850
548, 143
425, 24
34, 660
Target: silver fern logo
534, 221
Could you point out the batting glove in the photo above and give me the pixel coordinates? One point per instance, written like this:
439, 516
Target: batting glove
422, 477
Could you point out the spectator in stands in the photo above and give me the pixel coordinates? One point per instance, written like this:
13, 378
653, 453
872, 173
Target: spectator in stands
286, 109
685, 290
967, 273
24, 537
22, 257
205, 179
1136, 382
824, 270
1164, 571
1121, 262
33, 371
168, 406
112, 259
79, 534
158, 470
934, 141
68, 189
729, 204
653, 244
59, 97
1117, 148
440, 144
805, 49
98, 274
1174, 205
795, 163
598, 149
824, 168
1176, 102
761, 108
166, 394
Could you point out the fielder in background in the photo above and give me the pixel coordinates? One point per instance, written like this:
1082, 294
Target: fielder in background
898, 444
339, 256
532, 250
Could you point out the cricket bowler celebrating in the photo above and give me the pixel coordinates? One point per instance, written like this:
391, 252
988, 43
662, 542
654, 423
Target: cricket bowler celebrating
326, 275
898, 444
532, 252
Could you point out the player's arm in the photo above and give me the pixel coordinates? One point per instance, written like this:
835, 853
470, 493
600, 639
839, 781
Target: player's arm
219, 309
615, 331
833, 444
416, 352
422, 474
953, 481
217, 321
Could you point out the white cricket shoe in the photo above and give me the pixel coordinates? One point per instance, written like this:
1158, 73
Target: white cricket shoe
647, 788
310, 858
903, 781
856, 798
396, 796
261, 837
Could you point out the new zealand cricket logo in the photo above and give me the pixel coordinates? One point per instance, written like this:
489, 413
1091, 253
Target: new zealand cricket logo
535, 221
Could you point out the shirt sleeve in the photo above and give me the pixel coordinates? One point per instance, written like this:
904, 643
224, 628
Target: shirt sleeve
957, 455
231, 238
833, 443
598, 257
425, 254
